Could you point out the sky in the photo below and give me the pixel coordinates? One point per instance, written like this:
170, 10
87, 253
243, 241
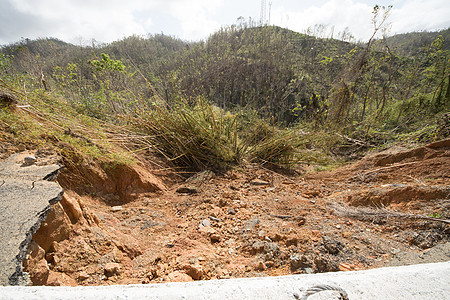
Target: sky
81, 21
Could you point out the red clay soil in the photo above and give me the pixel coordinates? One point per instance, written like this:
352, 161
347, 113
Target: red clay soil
134, 227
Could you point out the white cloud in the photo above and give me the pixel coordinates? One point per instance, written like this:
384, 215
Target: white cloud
196, 17
63, 8
337, 13
406, 16
103, 20
109, 20
417, 15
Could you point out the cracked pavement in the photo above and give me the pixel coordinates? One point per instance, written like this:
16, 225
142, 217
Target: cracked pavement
25, 200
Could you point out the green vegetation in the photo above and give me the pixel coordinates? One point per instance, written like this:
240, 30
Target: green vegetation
259, 94
42, 120
196, 136
435, 215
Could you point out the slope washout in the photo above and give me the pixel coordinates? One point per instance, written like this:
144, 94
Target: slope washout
129, 226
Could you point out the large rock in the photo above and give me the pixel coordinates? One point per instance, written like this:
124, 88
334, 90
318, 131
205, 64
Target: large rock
112, 269
59, 279
72, 208
55, 228
178, 276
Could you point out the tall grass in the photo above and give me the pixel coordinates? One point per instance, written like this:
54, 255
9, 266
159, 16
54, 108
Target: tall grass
198, 136
195, 136
276, 148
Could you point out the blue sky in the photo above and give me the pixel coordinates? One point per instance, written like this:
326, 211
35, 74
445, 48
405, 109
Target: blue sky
79, 21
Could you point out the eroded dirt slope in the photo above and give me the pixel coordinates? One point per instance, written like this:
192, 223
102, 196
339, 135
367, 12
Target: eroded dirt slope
247, 222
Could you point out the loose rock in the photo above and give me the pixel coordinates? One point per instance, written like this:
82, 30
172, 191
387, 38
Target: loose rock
264, 247
205, 223
215, 219
59, 279
178, 276
112, 269
259, 182
29, 160
260, 266
207, 230
116, 208
299, 261
332, 246
231, 211
194, 271
250, 224
187, 190
83, 276
215, 238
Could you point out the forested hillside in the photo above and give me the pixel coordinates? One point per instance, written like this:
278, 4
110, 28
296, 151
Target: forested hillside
372, 93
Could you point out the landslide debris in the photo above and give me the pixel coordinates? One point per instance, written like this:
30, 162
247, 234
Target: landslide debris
232, 227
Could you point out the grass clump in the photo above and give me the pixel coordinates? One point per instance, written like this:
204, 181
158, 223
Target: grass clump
194, 136
197, 136
278, 149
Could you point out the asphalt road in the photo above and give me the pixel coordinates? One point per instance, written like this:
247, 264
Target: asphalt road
25, 199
